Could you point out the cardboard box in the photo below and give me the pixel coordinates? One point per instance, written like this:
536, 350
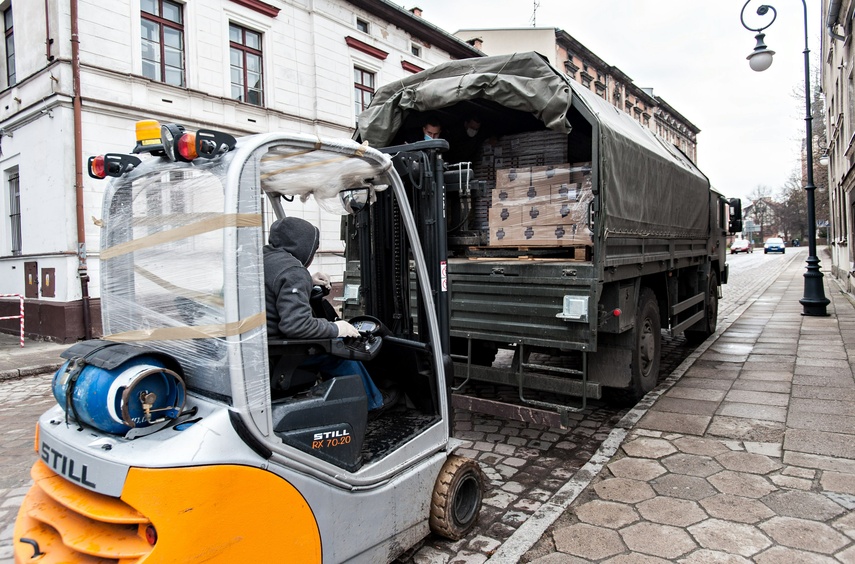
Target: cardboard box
559, 213
539, 236
513, 177
500, 215
550, 174
522, 195
565, 192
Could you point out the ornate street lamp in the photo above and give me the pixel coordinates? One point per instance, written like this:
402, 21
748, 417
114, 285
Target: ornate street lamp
814, 301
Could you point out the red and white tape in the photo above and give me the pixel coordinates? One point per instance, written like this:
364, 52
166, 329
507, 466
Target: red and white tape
19, 316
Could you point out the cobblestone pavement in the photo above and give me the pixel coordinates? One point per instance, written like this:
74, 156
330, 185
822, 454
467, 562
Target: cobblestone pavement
525, 464
748, 456
22, 401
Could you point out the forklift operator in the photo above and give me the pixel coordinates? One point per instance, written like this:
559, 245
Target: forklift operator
288, 285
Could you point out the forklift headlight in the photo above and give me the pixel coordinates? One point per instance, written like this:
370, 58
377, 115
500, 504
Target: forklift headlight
575, 309
170, 133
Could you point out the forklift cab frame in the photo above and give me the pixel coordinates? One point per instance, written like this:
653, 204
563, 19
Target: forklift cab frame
182, 275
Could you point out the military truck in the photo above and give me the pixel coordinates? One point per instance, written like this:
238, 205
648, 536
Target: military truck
570, 231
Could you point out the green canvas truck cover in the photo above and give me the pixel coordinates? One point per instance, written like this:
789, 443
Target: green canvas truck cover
647, 187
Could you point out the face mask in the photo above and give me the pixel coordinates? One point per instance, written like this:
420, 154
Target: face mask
428, 137
471, 132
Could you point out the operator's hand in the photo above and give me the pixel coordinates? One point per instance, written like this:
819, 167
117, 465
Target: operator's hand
345, 329
321, 279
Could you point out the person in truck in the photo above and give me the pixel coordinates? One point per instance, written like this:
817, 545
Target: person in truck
293, 243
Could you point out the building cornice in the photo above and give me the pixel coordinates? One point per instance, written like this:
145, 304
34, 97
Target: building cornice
418, 27
259, 6
355, 43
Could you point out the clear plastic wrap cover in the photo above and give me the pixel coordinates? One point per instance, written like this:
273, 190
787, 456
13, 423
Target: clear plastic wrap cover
298, 171
162, 265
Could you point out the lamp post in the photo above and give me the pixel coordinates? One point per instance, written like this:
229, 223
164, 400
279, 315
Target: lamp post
814, 301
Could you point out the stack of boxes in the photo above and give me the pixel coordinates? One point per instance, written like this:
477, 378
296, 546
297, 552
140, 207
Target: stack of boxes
541, 206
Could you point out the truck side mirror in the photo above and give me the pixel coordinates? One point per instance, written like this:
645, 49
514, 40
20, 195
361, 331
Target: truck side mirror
735, 225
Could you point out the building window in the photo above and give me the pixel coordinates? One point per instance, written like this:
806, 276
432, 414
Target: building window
15, 212
245, 60
416, 50
10, 48
363, 88
162, 27
362, 25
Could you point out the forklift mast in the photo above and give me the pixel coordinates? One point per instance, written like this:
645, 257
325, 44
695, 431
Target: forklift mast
382, 241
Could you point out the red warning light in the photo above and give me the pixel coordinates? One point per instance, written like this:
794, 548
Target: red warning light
96, 167
187, 146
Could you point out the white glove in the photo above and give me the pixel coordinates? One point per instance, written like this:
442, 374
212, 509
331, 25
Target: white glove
321, 279
345, 329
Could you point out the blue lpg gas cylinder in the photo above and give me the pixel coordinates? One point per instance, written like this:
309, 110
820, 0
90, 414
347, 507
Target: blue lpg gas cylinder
138, 393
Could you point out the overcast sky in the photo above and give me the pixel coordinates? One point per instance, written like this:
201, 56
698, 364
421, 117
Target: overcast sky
692, 53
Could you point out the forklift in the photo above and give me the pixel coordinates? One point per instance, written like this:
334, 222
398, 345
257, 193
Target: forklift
187, 433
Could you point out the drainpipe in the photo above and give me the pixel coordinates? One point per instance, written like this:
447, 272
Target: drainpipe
831, 19
48, 39
82, 271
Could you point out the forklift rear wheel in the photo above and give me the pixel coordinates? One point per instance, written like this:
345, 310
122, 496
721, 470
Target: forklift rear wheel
456, 498
646, 344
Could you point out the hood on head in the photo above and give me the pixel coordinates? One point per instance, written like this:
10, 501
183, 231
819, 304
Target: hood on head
297, 236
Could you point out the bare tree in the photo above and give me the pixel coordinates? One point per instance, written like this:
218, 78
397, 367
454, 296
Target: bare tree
761, 210
792, 208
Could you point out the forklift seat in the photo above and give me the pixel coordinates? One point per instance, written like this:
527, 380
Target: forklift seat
287, 377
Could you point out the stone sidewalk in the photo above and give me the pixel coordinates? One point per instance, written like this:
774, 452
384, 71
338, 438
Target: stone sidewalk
745, 454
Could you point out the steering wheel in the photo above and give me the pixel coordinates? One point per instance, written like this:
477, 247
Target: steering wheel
366, 347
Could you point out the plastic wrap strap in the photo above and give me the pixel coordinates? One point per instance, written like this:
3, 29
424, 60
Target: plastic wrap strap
359, 152
178, 290
187, 332
197, 228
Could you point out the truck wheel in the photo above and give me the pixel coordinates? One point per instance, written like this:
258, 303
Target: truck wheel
456, 498
647, 337
711, 317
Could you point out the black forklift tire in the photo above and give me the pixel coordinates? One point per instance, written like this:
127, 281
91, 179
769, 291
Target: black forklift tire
710, 315
646, 342
456, 499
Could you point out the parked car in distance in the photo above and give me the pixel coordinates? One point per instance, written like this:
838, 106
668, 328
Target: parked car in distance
773, 245
741, 246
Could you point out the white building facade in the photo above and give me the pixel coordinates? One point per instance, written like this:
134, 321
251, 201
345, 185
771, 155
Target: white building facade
241, 66
838, 85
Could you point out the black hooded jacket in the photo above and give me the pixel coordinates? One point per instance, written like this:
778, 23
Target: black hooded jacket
293, 243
